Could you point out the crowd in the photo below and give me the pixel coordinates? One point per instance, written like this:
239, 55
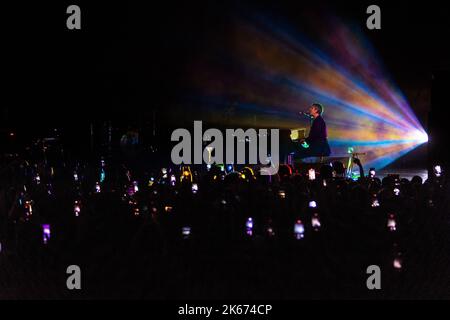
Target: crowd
219, 232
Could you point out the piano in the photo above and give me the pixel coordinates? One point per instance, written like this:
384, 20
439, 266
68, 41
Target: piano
290, 140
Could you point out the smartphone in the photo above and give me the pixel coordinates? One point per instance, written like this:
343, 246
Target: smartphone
372, 172
102, 175
29, 207
135, 186
312, 174
194, 188
45, 233
315, 221
375, 203
398, 261
173, 179
391, 224
396, 191
299, 230
77, 208
312, 204
437, 170
186, 232
249, 226
282, 194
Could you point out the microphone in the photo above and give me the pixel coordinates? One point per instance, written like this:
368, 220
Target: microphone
302, 113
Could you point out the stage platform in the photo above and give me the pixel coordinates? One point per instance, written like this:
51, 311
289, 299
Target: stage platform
404, 173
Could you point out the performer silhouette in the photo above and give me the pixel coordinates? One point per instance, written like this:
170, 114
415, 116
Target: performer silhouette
316, 144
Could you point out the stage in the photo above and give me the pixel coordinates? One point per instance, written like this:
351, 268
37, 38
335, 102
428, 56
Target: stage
404, 173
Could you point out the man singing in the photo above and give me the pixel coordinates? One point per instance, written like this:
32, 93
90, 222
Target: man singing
316, 144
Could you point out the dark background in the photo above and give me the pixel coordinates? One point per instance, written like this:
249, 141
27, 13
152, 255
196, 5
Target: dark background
127, 63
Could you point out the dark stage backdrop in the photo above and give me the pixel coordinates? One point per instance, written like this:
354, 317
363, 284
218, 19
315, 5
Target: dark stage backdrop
128, 62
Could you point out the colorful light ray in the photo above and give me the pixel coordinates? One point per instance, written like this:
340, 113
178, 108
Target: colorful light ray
273, 72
